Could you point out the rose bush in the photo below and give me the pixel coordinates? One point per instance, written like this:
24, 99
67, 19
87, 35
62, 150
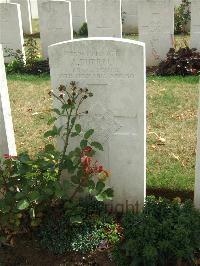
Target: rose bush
29, 186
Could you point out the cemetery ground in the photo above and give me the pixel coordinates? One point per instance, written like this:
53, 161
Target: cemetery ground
172, 120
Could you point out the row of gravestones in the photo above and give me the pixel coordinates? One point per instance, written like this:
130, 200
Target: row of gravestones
114, 70
56, 24
28, 8
25, 11
129, 14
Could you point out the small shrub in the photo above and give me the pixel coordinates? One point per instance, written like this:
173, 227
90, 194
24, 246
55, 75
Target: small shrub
31, 50
182, 17
83, 31
37, 67
58, 234
17, 65
34, 64
183, 62
29, 186
164, 232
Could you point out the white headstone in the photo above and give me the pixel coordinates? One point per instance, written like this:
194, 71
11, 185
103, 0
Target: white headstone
195, 24
78, 8
78, 13
55, 23
156, 28
11, 34
34, 9
114, 70
26, 15
7, 139
104, 18
129, 16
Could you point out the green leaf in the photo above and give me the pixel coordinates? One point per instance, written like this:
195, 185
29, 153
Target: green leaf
49, 148
83, 143
65, 106
24, 158
4, 207
74, 134
53, 132
91, 186
73, 120
52, 120
100, 186
19, 195
77, 151
59, 130
100, 197
57, 111
88, 134
78, 128
97, 145
68, 164
108, 193
34, 196
22, 204
48, 134
59, 192
48, 191
76, 219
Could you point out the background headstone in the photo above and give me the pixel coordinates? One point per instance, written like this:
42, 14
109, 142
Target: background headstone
55, 23
34, 9
104, 18
129, 16
7, 139
26, 15
156, 28
11, 33
195, 24
114, 70
78, 13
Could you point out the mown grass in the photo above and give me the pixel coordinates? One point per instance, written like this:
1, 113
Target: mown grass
172, 128
171, 134
30, 105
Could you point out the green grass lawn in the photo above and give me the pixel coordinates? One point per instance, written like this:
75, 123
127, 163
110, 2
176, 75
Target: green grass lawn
171, 115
